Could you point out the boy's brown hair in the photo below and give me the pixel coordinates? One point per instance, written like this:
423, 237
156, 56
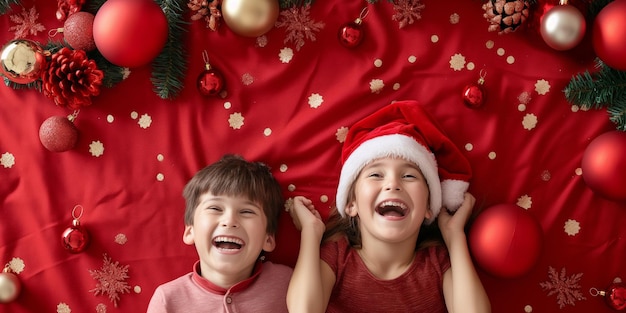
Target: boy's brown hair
232, 175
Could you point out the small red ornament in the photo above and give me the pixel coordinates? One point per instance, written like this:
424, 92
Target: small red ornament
10, 285
351, 34
608, 35
614, 295
78, 31
474, 93
505, 240
75, 238
603, 165
211, 81
58, 133
130, 33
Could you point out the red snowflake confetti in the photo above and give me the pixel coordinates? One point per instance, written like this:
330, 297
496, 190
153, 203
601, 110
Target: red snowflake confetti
407, 11
111, 280
26, 23
566, 288
299, 25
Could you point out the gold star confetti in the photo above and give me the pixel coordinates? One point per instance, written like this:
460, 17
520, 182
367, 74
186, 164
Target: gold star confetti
524, 202
236, 120
63, 308
457, 62
145, 121
530, 121
17, 265
341, 134
96, 148
315, 100
7, 160
542, 87
285, 55
376, 85
572, 227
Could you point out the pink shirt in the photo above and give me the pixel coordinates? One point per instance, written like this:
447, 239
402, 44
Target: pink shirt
419, 289
264, 291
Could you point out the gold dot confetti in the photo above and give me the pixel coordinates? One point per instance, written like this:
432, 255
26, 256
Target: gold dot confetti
160, 157
324, 198
489, 44
267, 132
500, 51
469, 147
378, 62
492, 155
160, 177
227, 105
434, 38
412, 59
291, 187
110, 118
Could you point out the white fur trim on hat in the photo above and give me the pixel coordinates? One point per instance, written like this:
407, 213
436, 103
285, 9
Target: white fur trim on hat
391, 145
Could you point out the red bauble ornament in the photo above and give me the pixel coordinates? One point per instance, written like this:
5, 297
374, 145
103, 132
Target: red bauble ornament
604, 165
78, 31
130, 33
474, 93
75, 238
614, 295
505, 240
10, 286
211, 81
58, 134
608, 35
351, 34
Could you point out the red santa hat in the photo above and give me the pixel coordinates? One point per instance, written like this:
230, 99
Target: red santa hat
404, 129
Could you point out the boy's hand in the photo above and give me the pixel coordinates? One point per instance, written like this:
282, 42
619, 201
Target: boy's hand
452, 225
305, 216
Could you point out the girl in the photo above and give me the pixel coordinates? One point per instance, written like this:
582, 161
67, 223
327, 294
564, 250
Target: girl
398, 171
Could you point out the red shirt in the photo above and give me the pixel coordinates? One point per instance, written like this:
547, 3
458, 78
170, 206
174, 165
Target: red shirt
419, 289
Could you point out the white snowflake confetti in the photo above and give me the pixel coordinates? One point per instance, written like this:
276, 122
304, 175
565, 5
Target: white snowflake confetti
111, 280
96, 148
26, 23
542, 87
407, 12
457, 62
247, 79
454, 18
236, 120
63, 308
145, 121
524, 202
299, 25
17, 265
101, 308
341, 134
530, 121
121, 239
524, 97
315, 100
545, 175
261, 41
285, 55
376, 85
7, 160
571, 227
566, 288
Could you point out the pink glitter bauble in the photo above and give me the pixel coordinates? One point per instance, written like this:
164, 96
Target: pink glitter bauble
78, 31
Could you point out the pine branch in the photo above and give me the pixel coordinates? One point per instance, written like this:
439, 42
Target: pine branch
596, 6
5, 5
92, 6
287, 4
617, 114
170, 65
601, 88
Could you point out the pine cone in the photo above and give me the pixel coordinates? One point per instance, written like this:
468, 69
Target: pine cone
506, 16
209, 10
71, 79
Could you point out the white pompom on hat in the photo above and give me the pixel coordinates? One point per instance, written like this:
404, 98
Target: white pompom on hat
405, 129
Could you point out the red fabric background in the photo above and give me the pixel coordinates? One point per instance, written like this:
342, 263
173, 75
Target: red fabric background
121, 194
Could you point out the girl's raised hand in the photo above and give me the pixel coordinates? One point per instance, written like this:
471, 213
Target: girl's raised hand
451, 224
304, 215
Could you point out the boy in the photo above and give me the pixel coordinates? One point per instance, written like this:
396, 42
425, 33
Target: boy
231, 216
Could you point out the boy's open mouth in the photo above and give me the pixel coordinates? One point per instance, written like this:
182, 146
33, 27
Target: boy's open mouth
230, 243
392, 208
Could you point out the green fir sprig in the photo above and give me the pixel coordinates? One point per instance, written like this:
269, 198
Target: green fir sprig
605, 87
286, 4
170, 66
5, 5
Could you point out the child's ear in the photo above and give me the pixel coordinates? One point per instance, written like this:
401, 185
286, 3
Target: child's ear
188, 235
350, 209
270, 243
429, 213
